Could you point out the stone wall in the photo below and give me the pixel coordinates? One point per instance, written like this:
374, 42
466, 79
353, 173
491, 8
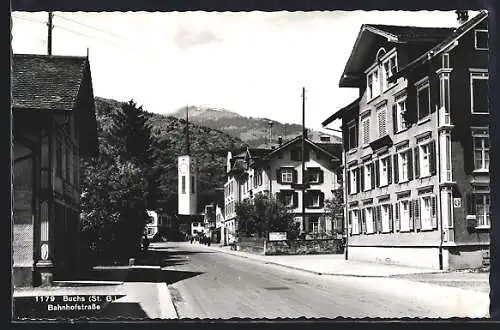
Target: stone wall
289, 247
304, 246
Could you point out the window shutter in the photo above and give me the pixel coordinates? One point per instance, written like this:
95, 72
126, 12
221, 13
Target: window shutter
363, 221
295, 199
396, 169
294, 176
362, 177
417, 165
409, 155
349, 221
432, 157
358, 181
379, 218
394, 118
377, 173
278, 175
321, 199
471, 204
389, 170
321, 176
412, 217
391, 218
372, 175
398, 218
434, 212
349, 182
418, 222
360, 223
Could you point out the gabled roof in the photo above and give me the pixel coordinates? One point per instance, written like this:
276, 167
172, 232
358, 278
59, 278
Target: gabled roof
397, 34
326, 148
443, 45
258, 152
46, 82
340, 113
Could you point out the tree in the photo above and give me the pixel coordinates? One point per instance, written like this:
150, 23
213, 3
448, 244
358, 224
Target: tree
131, 133
335, 207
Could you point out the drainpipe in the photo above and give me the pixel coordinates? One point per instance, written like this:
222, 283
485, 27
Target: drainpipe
346, 216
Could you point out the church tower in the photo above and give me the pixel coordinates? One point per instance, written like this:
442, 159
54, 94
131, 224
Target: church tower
187, 179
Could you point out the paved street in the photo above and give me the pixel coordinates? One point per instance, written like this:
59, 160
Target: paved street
218, 285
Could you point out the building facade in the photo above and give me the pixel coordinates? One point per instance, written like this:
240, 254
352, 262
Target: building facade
54, 125
277, 172
416, 145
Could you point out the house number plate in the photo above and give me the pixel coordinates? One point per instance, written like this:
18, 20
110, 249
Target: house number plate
457, 202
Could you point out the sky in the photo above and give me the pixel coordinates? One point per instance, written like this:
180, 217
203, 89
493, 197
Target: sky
252, 63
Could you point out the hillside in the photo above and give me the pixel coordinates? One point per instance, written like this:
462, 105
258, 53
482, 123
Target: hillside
254, 131
209, 146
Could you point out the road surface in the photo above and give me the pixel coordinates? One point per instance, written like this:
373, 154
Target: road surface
209, 284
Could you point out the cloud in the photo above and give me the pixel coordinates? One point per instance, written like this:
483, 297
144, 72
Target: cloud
187, 37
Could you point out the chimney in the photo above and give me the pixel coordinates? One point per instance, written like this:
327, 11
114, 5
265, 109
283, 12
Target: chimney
280, 140
462, 16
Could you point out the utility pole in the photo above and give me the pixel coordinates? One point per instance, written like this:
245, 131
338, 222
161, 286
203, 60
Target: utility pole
49, 36
303, 158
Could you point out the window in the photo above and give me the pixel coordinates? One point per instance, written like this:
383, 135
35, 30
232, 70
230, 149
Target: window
369, 220
286, 175
482, 209
192, 184
287, 198
404, 215
481, 39
314, 224
352, 136
385, 214
354, 182
423, 100
481, 144
403, 167
382, 121
373, 84
424, 161
354, 221
183, 184
390, 68
365, 124
399, 115
427, 211
314, 175
479, 92
384, 164
369, 177
314, 198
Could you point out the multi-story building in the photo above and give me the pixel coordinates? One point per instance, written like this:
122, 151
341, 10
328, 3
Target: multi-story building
278, 172
54, 125
416, 145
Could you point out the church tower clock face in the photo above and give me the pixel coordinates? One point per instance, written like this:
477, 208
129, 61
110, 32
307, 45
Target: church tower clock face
183, 168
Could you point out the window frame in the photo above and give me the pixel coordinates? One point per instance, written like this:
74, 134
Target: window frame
372, 224
408, 203
487, 39
355, 221
422, 198
367, 176
421, 147
479, 74
352, 144
486, 215
373, 73
476, 133
400, 114
285, 170
381, 161
404, 152
420, 86
386, 228
388, 57
354, 178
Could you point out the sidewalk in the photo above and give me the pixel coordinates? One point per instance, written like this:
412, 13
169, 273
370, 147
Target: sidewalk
328, 264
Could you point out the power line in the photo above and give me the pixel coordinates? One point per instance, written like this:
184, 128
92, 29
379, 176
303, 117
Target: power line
29, 19
91, 27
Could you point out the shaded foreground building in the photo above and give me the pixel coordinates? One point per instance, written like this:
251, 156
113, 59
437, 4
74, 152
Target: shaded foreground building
54, 125
416, 145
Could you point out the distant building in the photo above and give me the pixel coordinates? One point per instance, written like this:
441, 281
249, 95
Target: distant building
277, 172
54, 126
416, 145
